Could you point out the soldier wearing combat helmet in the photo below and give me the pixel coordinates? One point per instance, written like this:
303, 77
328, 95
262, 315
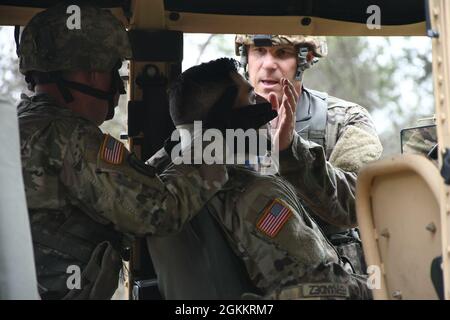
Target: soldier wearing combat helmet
84, 189
323, 140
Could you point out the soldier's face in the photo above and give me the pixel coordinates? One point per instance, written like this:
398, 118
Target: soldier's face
267, 65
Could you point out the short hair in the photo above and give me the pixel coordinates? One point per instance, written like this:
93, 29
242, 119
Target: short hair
198, 88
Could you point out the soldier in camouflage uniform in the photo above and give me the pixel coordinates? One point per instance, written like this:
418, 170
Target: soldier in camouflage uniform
283, 251
326, 141
84, 190
419, 140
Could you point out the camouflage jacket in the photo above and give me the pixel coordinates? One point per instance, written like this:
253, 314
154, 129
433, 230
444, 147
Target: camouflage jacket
324, 173
419, 140
84, 190
273, 235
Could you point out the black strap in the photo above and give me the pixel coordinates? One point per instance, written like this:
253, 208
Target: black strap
67, 96
17, 39
116, 86
104, 95
262, 40
63, 85
99, 94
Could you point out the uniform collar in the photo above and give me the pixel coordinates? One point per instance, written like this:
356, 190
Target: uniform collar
40, 102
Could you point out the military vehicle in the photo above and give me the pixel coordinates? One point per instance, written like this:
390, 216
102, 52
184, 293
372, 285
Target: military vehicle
403, 202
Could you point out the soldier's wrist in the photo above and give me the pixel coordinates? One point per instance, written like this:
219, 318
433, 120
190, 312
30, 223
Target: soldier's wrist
290, 157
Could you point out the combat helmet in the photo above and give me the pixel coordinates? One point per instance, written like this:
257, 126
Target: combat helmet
50, 45
305, 44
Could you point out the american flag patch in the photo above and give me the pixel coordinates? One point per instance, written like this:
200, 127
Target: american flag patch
111, 150
274, 217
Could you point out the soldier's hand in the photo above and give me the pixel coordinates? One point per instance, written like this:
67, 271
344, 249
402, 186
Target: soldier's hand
283, 126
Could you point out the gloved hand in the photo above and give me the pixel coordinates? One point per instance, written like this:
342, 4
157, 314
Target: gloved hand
252, 116
222, 116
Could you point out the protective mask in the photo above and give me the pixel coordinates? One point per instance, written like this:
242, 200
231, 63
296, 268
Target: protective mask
221, 116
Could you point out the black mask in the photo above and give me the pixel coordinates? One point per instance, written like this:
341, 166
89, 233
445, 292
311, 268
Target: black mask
252, 116
222, 116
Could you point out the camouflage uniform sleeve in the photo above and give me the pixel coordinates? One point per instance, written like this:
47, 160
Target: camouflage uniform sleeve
327, 186
420, 140
126, 192
277, 240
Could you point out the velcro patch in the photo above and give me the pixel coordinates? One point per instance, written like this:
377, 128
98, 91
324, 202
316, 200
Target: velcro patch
325, 290
111, 151
275, 215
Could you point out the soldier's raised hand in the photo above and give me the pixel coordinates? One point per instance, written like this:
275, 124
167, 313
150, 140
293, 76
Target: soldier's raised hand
283, 126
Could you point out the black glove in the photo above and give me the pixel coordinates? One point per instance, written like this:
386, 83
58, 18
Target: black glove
220, 111
222, 116
252, 116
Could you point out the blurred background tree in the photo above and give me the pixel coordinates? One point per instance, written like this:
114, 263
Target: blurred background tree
391, 77
11, 83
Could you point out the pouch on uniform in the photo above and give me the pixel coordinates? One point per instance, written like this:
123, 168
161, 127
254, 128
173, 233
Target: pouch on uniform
100, 277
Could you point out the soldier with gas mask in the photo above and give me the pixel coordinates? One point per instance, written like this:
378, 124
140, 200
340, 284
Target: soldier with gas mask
253, 237
324, 140
84, 190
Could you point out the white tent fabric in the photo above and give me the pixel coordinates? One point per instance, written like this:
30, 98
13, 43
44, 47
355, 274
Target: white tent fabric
17, 269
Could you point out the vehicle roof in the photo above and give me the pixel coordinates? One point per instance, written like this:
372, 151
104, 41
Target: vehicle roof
328, 17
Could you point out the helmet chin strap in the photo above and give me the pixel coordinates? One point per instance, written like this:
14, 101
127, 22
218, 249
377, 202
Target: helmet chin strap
302, 64
93, 92
244, 60
116, 86
64, 85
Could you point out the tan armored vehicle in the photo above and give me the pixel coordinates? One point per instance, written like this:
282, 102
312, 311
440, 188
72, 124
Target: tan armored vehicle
403, 202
